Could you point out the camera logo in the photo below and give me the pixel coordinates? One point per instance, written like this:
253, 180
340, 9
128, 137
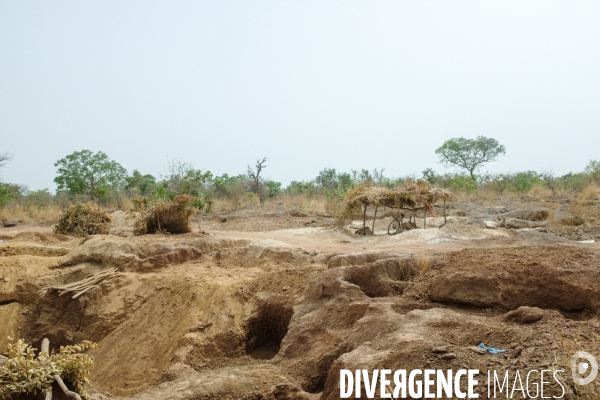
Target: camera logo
580, 369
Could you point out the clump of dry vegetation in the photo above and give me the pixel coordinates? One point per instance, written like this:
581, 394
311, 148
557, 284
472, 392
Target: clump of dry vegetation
84, 219
167, 217
24, 372
422, 262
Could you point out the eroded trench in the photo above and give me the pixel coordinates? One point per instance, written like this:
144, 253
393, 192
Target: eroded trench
260, 317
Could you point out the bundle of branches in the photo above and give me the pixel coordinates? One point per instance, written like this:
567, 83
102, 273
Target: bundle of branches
82, 286
84, 219
25, 373
167, 217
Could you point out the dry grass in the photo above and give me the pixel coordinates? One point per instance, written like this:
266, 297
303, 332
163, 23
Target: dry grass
422, 262
125, 204
590, 192
569, 345
306, 203
539, 192
18, 212
168, 217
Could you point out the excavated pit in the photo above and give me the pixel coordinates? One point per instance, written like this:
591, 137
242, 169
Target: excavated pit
267, 327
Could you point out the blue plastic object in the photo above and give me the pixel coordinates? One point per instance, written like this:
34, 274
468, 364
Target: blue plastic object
491, 350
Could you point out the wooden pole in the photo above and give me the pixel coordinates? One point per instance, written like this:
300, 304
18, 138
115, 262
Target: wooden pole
365, 217
375, 219
444, 211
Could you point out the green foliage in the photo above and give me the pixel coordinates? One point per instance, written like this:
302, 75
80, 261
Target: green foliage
88, 173
574, 181
524, 181
274, 188
334, 185
38, 198
26, 373
469, 154
593, 170
303, 187
429, 175
140, 184
10, 192
457, 182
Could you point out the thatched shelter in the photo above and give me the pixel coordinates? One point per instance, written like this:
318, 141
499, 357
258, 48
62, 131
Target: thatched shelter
412, 196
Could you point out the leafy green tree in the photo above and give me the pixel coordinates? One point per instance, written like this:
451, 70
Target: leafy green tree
429, 175
143, 184
88, 173
274, 188
469, 154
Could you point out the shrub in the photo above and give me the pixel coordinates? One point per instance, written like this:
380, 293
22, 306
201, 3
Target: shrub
84, 219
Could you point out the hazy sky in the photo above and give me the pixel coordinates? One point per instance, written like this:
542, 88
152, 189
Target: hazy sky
308, 84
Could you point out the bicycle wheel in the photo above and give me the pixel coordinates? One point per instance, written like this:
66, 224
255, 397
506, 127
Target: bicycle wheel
394, 227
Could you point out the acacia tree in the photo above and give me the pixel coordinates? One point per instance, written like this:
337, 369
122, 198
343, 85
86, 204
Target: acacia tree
85, 172
469, 154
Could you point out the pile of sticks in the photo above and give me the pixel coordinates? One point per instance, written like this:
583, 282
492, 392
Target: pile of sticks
82, 286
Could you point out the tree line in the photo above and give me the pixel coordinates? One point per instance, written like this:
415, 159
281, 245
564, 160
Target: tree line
85, 175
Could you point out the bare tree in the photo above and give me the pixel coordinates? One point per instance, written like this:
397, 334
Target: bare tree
257, 183
4, 157
378, 174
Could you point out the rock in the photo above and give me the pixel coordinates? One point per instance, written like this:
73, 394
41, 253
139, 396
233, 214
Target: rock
366, 231
466, 287
517, 352
477, 350
10, 224
441, 349
525, 315
448, 356
286, 391
531, 214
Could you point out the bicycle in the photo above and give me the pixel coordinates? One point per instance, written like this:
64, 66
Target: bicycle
397, 224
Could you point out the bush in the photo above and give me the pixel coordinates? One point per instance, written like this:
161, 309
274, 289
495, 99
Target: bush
167, 217
84, 219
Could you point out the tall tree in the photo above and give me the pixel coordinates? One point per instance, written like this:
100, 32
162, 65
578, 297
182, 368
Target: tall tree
85, 172
469, 154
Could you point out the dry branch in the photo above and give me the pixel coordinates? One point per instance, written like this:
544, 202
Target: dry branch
82, 286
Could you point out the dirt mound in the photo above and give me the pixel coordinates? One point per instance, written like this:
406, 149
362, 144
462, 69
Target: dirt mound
128, 256
39, 237
11, 249
561, 277
82, 220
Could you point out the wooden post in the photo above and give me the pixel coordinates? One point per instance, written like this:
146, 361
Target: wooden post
425, 218
444, 211
365, 217
375, 219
